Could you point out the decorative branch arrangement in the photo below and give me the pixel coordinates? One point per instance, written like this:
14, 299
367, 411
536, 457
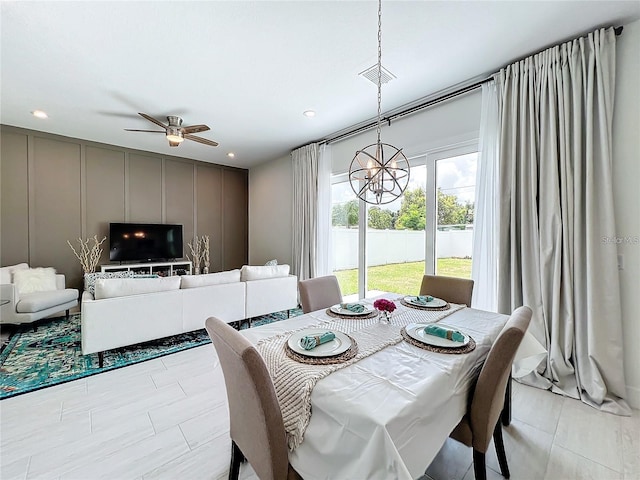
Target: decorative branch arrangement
88, 256
205, 253
199, 253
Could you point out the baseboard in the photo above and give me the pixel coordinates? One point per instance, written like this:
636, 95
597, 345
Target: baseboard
633, 397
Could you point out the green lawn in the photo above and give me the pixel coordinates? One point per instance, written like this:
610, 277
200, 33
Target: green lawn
402, 277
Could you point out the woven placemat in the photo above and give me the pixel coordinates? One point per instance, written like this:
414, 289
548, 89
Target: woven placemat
351, 352
418, 307
469, 347
352, 317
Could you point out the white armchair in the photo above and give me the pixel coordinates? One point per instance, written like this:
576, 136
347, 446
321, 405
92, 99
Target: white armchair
19, 308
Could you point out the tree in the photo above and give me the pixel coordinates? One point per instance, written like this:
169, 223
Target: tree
381, 219
451, 212
345, 214
413, 211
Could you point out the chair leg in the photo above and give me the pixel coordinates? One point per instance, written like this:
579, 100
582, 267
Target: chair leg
236, 459
502, 457
479, 467
67, 314
34, 326
100, 359
505, 416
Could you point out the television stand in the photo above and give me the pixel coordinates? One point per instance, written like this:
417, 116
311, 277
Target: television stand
162, 269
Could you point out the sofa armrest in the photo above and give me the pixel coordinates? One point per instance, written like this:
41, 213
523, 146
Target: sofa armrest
60, 281
8, 291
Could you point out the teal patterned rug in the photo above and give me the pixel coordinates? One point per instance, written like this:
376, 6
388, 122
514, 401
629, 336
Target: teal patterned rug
52, 355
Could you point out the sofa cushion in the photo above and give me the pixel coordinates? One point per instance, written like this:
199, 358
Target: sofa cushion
6, 273
35, 302
194, 281
90, 278
123, 287
260, 272
30, 280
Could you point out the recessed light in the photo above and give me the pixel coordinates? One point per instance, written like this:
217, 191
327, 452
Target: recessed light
39, 114
309, 113
231, 155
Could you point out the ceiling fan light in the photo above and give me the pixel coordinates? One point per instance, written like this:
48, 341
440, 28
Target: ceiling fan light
173, 138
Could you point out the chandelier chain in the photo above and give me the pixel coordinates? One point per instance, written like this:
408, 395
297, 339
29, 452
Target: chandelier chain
379, 70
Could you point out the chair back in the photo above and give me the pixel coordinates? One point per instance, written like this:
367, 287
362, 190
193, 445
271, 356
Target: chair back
320, 292
451, 289
256, 420
488, 397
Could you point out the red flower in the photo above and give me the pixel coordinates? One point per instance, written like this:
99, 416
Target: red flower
384, 305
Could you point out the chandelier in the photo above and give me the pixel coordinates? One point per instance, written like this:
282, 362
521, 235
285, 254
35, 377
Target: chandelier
379, 173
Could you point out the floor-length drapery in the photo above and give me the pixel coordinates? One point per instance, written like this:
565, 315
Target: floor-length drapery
556, 204
484, 270
305, 210
324, 228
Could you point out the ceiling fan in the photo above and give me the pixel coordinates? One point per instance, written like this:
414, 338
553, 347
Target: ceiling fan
175, 132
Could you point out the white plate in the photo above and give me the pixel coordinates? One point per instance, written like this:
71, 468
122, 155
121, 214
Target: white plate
416, 331
435, 303
338, 345
343, 311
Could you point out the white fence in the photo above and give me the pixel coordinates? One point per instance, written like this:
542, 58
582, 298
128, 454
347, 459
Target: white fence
396, 246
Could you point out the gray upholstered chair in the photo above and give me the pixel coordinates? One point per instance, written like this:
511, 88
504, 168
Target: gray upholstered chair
451, 289
257, 429
320, 292
481, 421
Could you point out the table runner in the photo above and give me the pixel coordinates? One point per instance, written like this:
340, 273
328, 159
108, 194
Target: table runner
294, 381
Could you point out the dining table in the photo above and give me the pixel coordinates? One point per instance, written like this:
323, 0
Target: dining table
386, 412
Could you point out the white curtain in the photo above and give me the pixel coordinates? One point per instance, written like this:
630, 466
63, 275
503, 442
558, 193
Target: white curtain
305, 210
555, 206
324, 231
484, 269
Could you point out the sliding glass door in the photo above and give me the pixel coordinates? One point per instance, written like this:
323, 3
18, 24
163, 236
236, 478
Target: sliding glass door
388, 248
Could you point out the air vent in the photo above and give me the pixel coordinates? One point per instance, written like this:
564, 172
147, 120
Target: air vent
371, 74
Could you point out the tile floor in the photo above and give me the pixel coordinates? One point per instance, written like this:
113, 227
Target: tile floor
168, 419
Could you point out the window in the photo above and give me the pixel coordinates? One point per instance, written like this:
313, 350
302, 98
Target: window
429, 229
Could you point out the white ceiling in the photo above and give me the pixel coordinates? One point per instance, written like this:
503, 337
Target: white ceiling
249, 69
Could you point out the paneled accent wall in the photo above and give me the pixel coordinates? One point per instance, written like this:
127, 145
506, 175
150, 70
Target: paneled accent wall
55, 189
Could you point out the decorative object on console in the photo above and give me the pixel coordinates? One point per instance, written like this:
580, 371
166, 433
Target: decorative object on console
379, 173
385, 307
89, 257
196, 252
271, 263
205, 253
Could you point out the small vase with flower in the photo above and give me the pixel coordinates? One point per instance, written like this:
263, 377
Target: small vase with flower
385, 308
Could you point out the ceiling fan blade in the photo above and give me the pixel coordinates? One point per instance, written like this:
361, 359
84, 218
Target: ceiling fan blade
201, 140
153, 120
195, 129
150, 131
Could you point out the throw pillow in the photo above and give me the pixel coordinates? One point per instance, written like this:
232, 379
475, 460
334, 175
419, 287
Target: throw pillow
271, 263
6, 273
35, 280
90, 278
195, 281
259, 272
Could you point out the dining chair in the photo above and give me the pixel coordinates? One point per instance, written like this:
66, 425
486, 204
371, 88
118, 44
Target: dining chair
481, 421
451, 289
320, 292
257, 430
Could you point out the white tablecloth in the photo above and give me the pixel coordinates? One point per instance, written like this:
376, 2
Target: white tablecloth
387, 415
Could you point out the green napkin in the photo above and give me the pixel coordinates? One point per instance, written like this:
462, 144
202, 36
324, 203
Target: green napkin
353, 307
310, 342
423, 299
442, 332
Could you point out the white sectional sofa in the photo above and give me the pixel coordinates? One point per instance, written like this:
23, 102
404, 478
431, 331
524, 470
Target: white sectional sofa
127, 311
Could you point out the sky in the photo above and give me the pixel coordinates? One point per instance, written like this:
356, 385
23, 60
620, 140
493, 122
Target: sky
455, 176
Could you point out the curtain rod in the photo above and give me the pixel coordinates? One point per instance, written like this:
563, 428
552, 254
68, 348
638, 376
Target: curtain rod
417, 108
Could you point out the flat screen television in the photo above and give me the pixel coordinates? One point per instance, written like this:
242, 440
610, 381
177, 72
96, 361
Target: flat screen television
144, 242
